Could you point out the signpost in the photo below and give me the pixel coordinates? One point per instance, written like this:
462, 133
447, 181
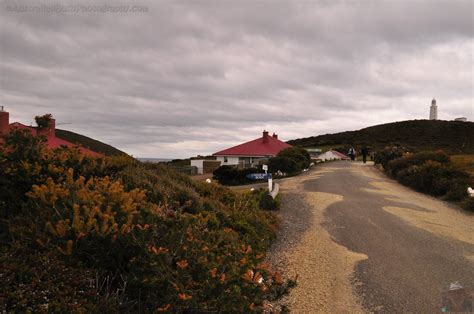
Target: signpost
262, 176
259, 176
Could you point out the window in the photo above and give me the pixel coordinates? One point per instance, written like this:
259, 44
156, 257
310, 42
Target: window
225, 159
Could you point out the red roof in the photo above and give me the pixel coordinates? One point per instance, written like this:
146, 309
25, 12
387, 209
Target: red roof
258, 148
335, 152
56, 142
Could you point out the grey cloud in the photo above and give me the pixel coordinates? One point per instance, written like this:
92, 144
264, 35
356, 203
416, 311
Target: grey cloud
195, 77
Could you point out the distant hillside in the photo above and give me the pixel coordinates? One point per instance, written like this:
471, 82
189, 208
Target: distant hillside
450, 136
88, 142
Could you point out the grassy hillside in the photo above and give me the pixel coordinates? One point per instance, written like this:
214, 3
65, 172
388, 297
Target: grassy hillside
417, 135
88, 142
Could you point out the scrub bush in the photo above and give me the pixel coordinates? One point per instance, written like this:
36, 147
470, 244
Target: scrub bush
83, 234
385, 156
283, 164
230, 175
267, 202
468, 204
431, 173
290, 161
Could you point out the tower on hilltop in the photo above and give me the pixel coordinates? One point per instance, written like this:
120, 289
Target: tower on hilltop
433, 110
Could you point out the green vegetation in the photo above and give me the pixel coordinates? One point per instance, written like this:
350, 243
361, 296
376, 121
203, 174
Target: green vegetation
44, 121
89, 143
415, 135
83, 234
428, 172
267, 202
464, 163
291, 161
230, 175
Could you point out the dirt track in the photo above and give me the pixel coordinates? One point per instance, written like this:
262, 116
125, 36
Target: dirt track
361, 242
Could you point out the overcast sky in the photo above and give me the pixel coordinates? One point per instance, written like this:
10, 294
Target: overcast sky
195, 77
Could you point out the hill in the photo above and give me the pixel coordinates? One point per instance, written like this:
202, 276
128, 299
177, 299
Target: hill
417, 135
89, 143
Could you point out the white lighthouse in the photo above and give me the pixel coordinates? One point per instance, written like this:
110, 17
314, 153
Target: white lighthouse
433, 110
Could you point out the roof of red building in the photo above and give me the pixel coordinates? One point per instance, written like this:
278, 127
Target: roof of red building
56, 142
335, 152
256, 147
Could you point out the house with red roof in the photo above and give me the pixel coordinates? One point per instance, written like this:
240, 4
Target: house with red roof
49, 133
332, 155
250, 153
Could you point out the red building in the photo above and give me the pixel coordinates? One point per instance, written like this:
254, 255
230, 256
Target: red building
49, 133
251, 152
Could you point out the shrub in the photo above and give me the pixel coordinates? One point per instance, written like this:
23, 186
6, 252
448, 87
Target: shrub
385, 156
468, 204
267, 202
122, 236
283, 164
290, 161
407, 160
298, 155
44, 121
431, 173
229, 175
434, 178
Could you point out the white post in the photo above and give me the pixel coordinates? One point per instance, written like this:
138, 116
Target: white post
270, 184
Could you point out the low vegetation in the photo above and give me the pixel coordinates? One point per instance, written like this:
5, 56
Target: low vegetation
464, 162
231, 175
428, 172
111, 234
414, 135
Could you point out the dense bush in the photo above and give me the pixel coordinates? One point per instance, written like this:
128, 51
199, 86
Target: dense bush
408, 159
283, 164
267, 202
298, 154
386, 155
111, 234
434, 178
428, 172
290, 161
230, 175
468, 204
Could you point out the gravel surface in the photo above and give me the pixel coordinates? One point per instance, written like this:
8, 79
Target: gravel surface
305, 249
360, 242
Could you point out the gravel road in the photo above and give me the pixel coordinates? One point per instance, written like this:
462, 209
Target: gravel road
360, 242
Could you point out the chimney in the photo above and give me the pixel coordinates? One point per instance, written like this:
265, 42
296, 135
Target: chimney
275, 136
4, 121
265, 136
52, 128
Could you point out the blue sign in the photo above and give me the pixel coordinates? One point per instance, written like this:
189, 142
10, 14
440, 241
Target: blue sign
259, 176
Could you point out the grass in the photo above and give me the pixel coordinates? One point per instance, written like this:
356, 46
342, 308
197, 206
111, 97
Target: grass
464, 162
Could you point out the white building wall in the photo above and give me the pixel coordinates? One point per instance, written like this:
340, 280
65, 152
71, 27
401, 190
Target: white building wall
231, 160
198, 163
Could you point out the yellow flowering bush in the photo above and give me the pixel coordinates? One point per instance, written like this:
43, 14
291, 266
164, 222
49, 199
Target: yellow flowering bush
76, 208
119, 235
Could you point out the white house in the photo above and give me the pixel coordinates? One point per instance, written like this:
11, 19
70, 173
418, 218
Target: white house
251, 152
